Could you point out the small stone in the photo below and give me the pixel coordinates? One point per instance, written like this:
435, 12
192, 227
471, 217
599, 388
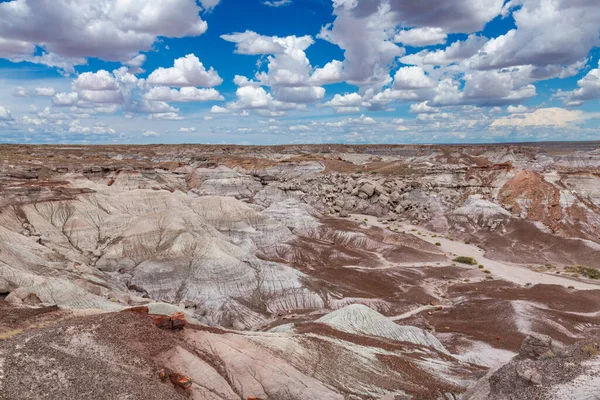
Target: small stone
180, 380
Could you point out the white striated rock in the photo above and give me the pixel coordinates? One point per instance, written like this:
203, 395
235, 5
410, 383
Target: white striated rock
362, 320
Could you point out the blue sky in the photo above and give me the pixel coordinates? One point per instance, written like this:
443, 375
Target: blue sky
298, 71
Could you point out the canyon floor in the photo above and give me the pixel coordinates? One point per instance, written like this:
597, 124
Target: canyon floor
300, 272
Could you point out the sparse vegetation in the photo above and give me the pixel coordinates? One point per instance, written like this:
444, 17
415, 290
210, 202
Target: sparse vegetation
548, 355
438, 244
581, 270
467, 242
590, 350
487, 271
465, 260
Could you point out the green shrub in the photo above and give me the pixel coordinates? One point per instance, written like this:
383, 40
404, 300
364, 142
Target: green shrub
590, 349
487, 271
467, 242
466, 260
438, 244
582, 270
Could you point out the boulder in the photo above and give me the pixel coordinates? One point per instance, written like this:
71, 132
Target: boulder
18, 295
162, 321
368, 189
178, 321
4, 287
174, 322
536, 345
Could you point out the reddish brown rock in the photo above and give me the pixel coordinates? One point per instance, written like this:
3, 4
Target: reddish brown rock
178, 321
180, 380
162, 321
139, 309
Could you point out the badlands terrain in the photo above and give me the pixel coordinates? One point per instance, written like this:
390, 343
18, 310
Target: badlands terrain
300, 272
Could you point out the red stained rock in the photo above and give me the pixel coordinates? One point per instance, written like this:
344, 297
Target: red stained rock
162, 321
178, 320
139, 309
180, 380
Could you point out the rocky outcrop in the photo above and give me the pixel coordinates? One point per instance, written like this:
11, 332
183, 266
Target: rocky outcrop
541, 371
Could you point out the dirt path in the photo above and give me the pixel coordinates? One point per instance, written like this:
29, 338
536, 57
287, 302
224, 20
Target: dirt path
507, 271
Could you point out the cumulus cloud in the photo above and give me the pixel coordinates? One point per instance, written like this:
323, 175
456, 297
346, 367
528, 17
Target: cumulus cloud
553, 116
421, 37
187, 130
20, 91
517, 109
45, 91
412, 78
114, 30
539, 38
362, 120
277, 3
589, 89
456, 52
150, 133
185, 94
209, 4
135, 64
65, 99
219, 110
289, 73
186, 71
5, 114
363, 30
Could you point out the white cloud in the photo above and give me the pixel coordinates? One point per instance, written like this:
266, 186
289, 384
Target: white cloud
330, 73
294, 128
288, 70
517, 109
20, 91
45, 91
99, 80
251, 43
543, 117
277, 3
209, 4
366, 36
185, 94
362, 120
540, 38
135, 64
5, 114
455, 53
65, 99
421, 37
150, 134
187, 130
187, 71
169, 116
113, 30
345, 100
589, 89
219, 110
407, 78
